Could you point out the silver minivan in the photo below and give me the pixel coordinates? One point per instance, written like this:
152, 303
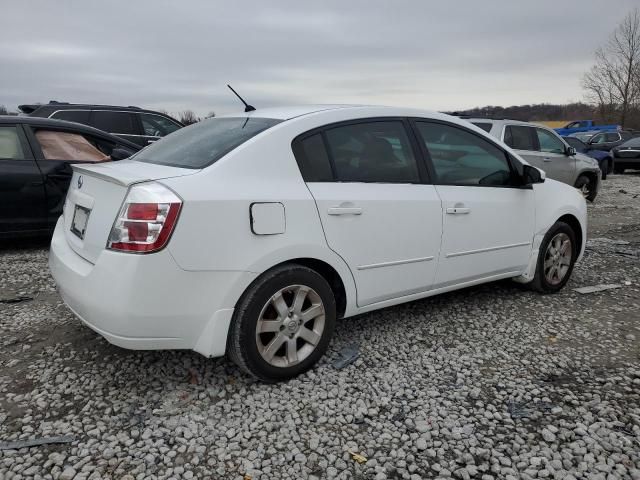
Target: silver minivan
545, 149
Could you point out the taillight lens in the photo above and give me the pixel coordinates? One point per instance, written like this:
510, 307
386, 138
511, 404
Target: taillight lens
146, 220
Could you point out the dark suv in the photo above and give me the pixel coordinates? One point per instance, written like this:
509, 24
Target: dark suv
131, 123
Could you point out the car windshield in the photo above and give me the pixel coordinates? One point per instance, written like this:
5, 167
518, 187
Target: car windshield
202, 144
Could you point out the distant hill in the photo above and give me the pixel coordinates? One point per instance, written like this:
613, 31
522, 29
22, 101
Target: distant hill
535, 113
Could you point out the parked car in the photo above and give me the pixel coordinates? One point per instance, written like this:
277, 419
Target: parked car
131, 123
545, 149
627, 155
584, 126
35, 171
604, 159
583, 136
250, 234
605, 141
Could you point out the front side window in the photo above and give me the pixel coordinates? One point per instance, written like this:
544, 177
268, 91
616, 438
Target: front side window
58, 145
156, 125
372, 152
519, 137
598, 138
460, 157
549, 143
114, 122
78, 116
201, 144
10, 146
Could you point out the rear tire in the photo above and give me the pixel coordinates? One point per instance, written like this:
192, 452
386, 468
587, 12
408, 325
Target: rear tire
556, 258
283, 323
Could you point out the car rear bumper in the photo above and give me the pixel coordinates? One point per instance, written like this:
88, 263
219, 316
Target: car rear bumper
147, 302
627, 162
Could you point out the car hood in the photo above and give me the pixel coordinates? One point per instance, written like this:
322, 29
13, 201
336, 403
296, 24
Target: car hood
586, 160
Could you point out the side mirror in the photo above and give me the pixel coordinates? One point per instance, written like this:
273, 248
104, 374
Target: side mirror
532, 175
119, 153
570, 151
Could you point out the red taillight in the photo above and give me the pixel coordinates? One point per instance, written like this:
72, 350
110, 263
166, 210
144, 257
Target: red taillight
142, 211
146, 220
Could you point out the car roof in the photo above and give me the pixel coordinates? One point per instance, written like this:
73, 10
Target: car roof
53, 107
50, 122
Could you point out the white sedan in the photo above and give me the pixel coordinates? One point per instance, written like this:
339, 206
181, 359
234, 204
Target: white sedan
251, 234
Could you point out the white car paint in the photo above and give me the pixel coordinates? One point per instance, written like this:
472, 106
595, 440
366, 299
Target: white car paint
389, 243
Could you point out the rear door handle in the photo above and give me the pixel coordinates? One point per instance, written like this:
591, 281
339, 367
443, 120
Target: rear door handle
344, 211
546, 159
458, 210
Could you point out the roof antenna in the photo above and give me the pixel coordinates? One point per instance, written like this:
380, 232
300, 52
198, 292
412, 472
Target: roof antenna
247, 107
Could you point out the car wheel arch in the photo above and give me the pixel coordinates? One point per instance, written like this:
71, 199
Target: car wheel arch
575, 225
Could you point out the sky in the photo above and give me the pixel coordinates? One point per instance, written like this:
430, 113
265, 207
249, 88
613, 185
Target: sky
180, 55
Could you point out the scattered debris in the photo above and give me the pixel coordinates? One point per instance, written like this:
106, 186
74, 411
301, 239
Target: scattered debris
35, 442
194, 378
247, 477
348, 355
358, 458
597, 288
18, 299
622, 190
518, 411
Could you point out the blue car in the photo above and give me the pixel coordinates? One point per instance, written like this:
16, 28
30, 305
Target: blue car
604, 158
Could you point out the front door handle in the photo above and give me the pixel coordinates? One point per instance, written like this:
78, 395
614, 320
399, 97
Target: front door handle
344, 211
546, 159
458, 210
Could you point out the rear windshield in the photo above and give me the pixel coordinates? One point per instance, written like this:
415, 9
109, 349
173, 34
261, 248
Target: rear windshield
202, 144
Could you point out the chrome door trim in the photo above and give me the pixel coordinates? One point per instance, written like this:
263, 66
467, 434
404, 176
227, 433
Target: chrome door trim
395, 262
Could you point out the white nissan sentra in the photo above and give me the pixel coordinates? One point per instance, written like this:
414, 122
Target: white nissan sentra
251, 234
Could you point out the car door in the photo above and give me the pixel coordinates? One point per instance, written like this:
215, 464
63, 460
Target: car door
488, 217
377, 208
605, 141
55, 150
22, 193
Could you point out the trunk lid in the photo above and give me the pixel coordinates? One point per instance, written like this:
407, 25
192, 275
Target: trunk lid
95, 196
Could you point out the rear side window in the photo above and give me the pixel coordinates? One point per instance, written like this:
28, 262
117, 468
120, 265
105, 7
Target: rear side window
10, 145
78, 116
460, 157
204, 143
313, 159
114, 122
519, 138
372, 152
612, 137
484, 126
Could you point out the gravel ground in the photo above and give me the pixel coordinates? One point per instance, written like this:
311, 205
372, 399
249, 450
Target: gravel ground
489, 382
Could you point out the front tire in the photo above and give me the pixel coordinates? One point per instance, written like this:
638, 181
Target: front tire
556, 258
587, 187
283, 323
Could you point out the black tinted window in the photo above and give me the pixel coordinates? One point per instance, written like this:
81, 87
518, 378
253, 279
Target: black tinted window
460, 157
520, 138
575, 143
372, 152
484, 126
114, 122
549, 142
203, 143
77, 116
612, 137
313, 159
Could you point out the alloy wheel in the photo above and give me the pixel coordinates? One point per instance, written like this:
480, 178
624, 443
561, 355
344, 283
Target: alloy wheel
557, 258
290, 325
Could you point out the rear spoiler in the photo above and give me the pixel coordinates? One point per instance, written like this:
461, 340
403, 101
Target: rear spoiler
28, 108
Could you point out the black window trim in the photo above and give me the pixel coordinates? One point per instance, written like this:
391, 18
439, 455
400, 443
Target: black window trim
511, 161
423, 172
